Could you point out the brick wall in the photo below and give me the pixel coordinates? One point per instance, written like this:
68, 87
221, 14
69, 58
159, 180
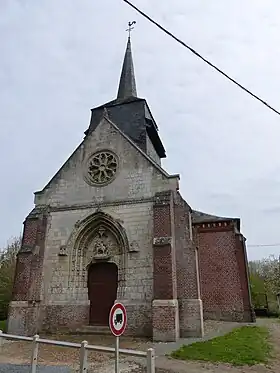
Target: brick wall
165, 303
22, 277
30, 233
36, 269
185, 251
25, 308
242, 261
224, 287
29, 266
190, 306
165, 286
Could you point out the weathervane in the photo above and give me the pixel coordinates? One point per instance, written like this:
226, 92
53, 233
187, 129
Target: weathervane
130, 27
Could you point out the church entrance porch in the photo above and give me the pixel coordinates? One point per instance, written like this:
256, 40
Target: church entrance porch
102, 291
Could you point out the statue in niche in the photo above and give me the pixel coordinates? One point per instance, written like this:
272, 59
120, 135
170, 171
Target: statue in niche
101, 250
102, 245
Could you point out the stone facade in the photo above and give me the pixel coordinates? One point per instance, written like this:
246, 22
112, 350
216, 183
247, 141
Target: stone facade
111, 202
127, 201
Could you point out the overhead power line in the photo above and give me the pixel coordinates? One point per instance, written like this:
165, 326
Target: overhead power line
264, 245
202, 58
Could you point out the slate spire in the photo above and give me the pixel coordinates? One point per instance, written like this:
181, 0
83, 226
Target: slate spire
127, 85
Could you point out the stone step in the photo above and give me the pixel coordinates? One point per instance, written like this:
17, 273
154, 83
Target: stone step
93, 329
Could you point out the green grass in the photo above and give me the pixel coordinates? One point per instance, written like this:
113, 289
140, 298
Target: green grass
3, 325
247, 345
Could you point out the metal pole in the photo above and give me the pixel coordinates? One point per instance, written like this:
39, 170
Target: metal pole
151, 367
83, 357
117, 368
34, 357
1, 338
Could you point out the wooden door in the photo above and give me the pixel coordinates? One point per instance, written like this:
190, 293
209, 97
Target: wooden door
102, 290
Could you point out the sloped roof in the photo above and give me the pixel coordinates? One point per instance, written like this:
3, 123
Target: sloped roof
129, 112
202, 217
127, 85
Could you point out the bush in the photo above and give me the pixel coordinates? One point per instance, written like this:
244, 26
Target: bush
273, 314
7, 270
3, 325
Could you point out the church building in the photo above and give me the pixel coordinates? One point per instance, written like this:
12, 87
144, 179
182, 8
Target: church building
111, 225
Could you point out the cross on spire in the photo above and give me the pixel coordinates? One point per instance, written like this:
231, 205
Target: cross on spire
130, 27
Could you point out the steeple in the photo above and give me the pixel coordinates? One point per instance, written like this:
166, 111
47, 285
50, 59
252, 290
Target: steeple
127, 85
130, 113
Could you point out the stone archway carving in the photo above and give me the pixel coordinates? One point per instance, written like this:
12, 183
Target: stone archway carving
97, 238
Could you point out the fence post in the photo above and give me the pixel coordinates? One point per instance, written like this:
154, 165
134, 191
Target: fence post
1, 338
83, 357
34, 358
151, 367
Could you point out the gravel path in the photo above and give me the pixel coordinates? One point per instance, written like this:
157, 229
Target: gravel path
65, 360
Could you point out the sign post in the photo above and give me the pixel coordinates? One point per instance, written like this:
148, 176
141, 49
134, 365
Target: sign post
117, 323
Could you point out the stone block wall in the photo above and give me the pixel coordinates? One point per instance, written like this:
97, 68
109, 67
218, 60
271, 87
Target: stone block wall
43, 269
72, 302
139, 315
136, 177
128, 200
24, 318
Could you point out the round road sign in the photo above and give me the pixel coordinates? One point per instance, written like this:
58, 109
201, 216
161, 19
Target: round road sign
117, 319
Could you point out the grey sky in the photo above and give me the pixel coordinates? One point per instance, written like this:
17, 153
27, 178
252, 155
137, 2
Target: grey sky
61, 58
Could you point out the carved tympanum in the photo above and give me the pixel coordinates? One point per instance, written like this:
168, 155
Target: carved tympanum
102, 245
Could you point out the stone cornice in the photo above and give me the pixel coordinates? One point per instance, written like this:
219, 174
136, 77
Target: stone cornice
214, 226
162, 241
82, 206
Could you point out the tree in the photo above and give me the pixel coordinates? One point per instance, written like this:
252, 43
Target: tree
257, 290
265, 279
7, 270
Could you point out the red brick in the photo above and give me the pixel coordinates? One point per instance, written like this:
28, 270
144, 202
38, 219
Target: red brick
224, 284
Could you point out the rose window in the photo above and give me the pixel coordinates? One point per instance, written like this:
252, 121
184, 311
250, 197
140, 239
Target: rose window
102, 167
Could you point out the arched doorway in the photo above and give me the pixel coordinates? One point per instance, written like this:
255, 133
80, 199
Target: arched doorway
102, 291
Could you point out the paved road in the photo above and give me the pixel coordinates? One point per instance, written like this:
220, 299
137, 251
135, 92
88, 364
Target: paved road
12, 368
